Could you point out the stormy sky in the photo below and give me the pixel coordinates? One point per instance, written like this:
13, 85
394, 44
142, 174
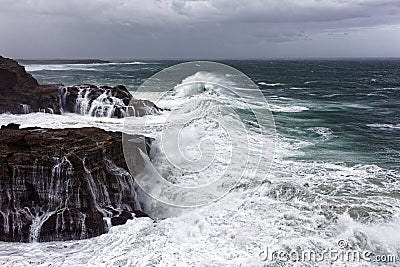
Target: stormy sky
199, 29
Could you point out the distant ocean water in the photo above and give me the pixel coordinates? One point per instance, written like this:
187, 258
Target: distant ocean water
336, 173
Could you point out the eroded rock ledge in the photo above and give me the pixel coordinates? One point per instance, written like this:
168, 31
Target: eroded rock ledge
63, 184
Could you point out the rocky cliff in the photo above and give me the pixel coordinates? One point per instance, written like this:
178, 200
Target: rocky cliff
20, 93
63, 184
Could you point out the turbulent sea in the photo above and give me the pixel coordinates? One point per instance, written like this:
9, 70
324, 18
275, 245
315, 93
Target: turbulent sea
335, 176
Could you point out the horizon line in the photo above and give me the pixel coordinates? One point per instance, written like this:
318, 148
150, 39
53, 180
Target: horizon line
110, 60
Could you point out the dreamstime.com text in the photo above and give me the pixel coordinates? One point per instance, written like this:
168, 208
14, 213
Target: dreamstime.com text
340, 254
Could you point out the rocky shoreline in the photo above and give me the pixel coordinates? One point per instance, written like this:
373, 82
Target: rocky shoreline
104, 101
64, 184
21, 94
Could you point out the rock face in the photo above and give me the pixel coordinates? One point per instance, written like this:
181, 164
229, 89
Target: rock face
63, 184
20, 93
105, 101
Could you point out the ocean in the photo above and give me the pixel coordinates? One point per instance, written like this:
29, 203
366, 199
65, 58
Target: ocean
334, 181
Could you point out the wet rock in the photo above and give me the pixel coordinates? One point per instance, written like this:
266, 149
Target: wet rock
20, 93
12, 126
105, 101
121, 218
63, 184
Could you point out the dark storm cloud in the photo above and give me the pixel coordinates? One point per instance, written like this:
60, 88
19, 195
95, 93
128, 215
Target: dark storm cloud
198, 28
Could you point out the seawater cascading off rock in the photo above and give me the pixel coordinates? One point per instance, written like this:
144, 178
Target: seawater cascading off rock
104, 101
63, 184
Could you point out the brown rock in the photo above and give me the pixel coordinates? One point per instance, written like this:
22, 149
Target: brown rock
20, 92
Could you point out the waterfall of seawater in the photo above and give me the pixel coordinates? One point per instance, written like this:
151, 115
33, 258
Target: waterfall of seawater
61, 198
105, 104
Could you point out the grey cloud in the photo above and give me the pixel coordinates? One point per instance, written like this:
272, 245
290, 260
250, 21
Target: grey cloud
193, 28
192, 11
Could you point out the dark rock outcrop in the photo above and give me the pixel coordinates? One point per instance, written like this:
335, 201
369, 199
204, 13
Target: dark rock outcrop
63, 184
105, 101
20, 93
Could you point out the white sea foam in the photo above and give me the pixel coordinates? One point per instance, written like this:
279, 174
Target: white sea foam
308, 82
201, 82
292, 211
302, 205
60, 67
324, 132
209, 130
385, 126
288, 109
132, 63
271, 84
306, 205
331, 95
298, 88
68, 120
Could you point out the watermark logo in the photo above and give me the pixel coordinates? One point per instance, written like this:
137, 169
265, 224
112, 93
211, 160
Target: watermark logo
341, 253
215, 132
